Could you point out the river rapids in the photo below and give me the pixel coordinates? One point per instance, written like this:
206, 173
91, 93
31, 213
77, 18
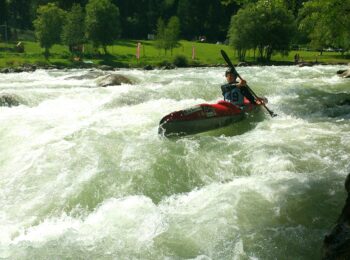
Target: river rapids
85, 175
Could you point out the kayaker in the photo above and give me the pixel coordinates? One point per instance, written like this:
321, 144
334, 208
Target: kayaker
235, 91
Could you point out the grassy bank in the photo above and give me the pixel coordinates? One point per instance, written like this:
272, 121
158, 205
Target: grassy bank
122, 54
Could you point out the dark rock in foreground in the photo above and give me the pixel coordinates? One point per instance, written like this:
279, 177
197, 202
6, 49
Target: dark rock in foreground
8, 100
336, 245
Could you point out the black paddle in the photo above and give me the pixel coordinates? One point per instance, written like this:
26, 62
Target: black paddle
229, 63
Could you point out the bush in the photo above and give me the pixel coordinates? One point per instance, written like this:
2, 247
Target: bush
163, 63
180, 61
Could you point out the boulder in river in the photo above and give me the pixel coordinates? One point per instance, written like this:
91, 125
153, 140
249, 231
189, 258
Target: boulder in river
113, 80
5, 70
340, 72
105, 67
305, 64
336, 245
345, 73
243, 64
8, 100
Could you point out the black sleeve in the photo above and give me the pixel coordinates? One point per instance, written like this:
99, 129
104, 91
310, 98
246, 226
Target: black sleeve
245, 91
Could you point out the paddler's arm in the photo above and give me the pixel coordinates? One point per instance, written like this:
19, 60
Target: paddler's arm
245, 91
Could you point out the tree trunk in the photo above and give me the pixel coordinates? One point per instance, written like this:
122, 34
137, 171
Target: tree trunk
268, 53
46, 53
261, 52
105, 49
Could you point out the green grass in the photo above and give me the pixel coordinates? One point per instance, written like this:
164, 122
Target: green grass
123, 53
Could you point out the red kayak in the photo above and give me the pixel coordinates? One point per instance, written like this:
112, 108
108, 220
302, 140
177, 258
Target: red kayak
204, 117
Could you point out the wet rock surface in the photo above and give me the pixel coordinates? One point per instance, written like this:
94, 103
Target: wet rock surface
8, 100
336, 245
113, 80
89, 75
345, 74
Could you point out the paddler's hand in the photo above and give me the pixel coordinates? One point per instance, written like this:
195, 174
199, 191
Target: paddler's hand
242, 83
261, 101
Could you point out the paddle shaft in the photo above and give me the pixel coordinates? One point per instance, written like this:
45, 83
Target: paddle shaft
228, 61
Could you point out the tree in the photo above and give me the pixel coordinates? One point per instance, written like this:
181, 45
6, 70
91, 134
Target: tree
3, 19
74, 28
184, 12
241, 33
102, 22
160, 36
267, 26
172, 33
48, 26
167, 37
3, 11
327, 23
20, 15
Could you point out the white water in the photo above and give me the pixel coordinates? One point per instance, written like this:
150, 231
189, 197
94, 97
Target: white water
84, 175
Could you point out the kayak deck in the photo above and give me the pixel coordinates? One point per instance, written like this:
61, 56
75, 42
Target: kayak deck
203, 117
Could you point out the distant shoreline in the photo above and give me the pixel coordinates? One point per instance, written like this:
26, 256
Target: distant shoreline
123, 55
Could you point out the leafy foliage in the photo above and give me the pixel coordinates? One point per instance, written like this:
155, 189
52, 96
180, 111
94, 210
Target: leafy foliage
3, 11
74, 27
167, 37
172, 33
180, 61
160, 37
48, 26
327, 23
266, 26
102, 22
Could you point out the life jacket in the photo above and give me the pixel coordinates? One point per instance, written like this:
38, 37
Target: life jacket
236, 95
232, 94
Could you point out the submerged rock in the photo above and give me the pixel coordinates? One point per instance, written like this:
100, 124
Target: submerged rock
113, 80
306, 64
8, 100
89, 75
336, 245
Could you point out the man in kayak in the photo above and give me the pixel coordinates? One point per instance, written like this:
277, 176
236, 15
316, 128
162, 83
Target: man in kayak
235, 92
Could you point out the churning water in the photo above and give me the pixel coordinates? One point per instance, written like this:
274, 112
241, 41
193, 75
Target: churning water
84, 174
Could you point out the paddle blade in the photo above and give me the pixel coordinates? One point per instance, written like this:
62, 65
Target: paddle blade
228, 61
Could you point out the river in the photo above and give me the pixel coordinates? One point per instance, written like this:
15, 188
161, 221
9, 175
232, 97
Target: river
84, 174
